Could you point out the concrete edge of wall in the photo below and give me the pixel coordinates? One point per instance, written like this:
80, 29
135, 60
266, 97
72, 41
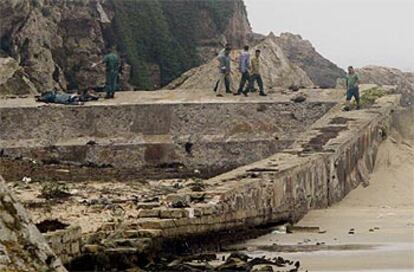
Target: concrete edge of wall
283, 187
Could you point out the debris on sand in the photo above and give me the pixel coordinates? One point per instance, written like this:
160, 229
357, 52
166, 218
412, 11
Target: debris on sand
236, 261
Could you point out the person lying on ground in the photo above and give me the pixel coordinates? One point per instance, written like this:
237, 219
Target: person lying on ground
55, 97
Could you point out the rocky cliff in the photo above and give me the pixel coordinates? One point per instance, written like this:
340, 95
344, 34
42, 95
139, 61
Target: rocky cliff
22, 246
55, 42
301, 52
277, 70
390, 76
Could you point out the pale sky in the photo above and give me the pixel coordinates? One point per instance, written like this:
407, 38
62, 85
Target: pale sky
348, 32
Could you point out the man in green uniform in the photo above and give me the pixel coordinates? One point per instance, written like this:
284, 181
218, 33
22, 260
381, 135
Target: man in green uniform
112, 63
352, 86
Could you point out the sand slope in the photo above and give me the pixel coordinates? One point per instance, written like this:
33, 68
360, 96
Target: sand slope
376, 223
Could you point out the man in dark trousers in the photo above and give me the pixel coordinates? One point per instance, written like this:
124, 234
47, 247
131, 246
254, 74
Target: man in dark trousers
244, 66
225, 72
255, 74
112, 63
352, 86
227, 81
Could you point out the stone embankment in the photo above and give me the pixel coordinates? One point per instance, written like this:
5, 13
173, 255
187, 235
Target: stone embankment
328, 161
204, 136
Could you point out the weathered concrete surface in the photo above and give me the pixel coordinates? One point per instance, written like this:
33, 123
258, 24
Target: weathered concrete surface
198, 134
65, 243
321, 168
22, 247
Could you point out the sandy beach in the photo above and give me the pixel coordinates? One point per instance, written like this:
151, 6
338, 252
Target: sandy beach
371, 230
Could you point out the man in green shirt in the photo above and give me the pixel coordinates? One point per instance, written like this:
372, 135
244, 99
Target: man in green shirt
352, 86
255, 74
112, 63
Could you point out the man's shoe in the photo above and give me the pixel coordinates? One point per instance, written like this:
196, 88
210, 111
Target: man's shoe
358, 107
238, 93
246, 94
262, 94
346, 108
219, 95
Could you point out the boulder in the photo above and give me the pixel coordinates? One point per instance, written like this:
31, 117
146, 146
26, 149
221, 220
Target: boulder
22, 246
13, 80
276, 70
320, 70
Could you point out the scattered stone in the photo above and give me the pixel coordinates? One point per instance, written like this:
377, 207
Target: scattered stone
294, 88
299, 99
147, 205
302, 229
92, 249
178, 200
145, 213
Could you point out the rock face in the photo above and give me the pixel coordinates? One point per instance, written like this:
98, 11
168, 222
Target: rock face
276, 69
56, 42
390, 76
22, 247
321, 71
13, 80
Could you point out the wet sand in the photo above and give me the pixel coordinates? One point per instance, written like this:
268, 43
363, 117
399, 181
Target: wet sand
371, 230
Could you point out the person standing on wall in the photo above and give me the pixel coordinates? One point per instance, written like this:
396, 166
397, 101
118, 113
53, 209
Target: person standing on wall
244, 66
112, 63
352, 87
227, 82
256, 75
225, 70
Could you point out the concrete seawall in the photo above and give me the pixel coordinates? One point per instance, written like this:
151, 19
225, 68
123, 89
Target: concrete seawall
329, 160
194, 135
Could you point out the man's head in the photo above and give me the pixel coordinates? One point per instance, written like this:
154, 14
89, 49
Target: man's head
227, 51
246, 48
258, 53
351, 70
228, 46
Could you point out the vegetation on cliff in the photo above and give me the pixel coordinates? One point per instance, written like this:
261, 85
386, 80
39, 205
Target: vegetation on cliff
163, 35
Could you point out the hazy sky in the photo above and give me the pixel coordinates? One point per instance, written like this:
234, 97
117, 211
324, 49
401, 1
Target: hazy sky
357, 32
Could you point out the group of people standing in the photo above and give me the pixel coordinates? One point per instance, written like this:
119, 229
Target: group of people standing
249, 69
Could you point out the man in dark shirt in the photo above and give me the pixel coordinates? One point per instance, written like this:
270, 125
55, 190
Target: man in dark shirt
112, 63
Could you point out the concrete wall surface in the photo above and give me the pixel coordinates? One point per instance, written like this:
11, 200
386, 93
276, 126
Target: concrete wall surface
328, 161
195, 135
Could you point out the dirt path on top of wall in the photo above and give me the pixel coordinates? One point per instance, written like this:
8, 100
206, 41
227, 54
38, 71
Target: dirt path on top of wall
371, 230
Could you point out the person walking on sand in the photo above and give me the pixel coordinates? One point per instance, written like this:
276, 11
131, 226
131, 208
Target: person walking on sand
244, 66
112, 63
225, 70
227, 82
352, 87
256, 74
